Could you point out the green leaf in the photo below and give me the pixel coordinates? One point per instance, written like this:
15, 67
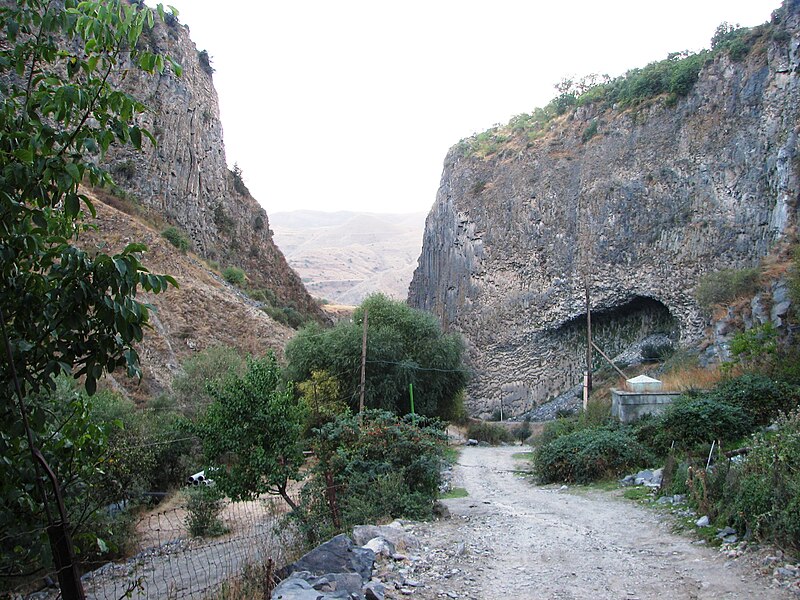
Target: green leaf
72, 205
73, 171
102, 546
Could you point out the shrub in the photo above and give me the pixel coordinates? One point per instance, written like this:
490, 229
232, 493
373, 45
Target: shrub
490, 433
692, 421
726, 285
204, 503
234, 276
383, 467
522, 431
760, 397
764, 496
205, 62
177, 238
588, 455
589, 132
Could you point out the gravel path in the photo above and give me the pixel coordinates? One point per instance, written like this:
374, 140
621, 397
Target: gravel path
511, 539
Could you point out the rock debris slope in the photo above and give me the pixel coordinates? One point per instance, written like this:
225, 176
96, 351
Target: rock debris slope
660, 194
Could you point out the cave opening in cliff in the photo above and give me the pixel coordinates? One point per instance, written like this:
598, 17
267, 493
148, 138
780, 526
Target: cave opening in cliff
618, 328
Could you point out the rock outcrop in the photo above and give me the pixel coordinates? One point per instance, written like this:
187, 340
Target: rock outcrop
185, 178
659, 195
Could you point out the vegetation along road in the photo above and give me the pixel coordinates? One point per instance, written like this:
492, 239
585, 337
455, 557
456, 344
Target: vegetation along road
511, 539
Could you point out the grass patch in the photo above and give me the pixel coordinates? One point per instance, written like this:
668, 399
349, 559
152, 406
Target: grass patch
451, 454
638, 493
522, 455
455, 492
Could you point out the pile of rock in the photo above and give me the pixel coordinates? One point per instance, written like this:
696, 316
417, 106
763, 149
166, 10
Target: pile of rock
342, 568
647, 478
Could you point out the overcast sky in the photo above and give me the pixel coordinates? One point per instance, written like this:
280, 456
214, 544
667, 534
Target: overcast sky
352, 105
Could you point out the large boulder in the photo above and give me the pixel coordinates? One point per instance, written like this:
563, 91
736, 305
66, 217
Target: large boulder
337, 555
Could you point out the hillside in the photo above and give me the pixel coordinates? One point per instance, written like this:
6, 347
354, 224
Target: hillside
203, 312
345, 256
635, 189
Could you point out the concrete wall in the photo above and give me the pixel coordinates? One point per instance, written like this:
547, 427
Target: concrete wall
629, 406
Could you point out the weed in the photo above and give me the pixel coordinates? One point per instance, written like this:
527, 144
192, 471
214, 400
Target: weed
456, 492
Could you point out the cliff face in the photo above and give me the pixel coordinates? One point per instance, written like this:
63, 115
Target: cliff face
661, 194
185, 178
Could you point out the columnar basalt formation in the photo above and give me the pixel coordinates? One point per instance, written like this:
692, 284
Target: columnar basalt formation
185, 178
661, 194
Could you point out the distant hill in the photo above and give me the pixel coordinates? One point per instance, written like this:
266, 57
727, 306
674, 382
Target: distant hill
345, 256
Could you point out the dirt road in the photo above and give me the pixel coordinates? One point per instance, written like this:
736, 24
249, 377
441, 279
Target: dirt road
511, 539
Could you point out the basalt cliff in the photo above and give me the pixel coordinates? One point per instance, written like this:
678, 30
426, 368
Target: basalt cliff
185, 181
633, 203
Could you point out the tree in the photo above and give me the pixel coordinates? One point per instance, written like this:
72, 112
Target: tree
404, 346
262, 453
63, 309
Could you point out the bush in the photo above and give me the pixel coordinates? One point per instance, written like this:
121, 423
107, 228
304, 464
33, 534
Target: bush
385, 467
589, 455
693, 421
726, 285
177, 238
759, 396
234, 276
522, 431
489, 433
203, 505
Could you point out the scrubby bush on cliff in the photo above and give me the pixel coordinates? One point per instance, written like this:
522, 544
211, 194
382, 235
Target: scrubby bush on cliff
589, 455
404, 346
726, 285
234, 276
177, 238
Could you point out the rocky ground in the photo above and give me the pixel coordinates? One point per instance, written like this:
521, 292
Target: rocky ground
511, 539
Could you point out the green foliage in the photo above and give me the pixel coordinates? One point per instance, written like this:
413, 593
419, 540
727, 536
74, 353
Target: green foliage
726, 285
64, 310
694, 421
755, 347
234, 276
382, 468
404, 346
760, 397
456, 492
203, 371
177, 238
589, 132
238, 184
522, 431
204, 503
262, 453
764, 492
322, 395
205, 62
589, 455
490, 433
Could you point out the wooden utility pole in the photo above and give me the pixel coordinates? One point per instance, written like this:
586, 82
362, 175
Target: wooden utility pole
363, 366
587, 383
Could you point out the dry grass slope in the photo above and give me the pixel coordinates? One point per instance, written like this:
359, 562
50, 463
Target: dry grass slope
205, 311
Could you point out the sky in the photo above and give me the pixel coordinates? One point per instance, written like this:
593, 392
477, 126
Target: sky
353, 104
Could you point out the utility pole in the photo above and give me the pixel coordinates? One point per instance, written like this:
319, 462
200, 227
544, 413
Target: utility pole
363, 366
587, 383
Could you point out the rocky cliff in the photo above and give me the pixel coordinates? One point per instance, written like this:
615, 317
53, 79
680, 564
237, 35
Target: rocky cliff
639, 202
185, 178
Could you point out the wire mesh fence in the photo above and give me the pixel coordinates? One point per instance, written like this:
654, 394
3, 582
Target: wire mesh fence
171, 564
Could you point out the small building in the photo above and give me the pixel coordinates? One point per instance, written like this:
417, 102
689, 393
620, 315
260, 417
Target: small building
643, 396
